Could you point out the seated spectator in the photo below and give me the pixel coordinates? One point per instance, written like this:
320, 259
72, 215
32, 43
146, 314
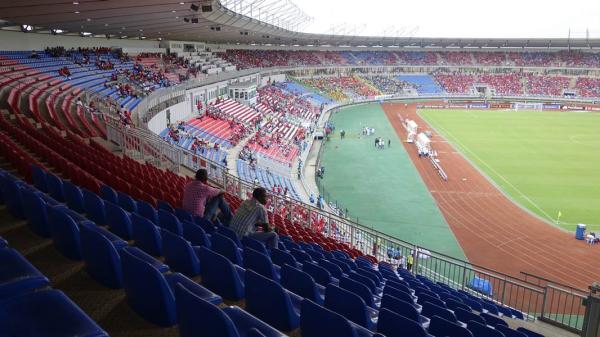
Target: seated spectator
251, 219
202, 200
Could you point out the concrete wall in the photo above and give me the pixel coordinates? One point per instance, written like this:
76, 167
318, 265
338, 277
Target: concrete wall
179, 111
35, 41
273, 78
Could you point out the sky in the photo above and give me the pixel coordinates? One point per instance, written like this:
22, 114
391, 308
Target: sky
455, 18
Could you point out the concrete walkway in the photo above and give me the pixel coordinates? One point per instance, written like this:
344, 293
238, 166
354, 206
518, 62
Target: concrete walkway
234, 153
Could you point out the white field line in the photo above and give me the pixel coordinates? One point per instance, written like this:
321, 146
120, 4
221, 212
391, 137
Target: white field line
457, 141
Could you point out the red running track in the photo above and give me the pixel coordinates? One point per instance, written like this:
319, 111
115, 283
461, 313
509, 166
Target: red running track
493, 231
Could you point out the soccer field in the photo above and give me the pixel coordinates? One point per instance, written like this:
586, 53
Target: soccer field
548, 161
382, 187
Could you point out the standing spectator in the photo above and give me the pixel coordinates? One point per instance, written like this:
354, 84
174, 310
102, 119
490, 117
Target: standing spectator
251, 219
202, 200
409, 262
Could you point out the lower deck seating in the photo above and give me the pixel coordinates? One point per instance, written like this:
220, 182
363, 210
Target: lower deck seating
271, 181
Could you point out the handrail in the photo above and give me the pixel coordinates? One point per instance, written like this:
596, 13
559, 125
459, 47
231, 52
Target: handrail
550, 282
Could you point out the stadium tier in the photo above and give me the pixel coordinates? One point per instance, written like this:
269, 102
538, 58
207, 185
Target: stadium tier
115, 148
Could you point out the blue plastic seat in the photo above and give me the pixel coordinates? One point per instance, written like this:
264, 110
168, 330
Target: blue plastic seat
179, 254
393, 325
364, 280
108, 194
315, 255
255, 244
147, 211
220, 275
529, 333
517, 314
281, 257
151, 294
197, 317
270, 302
35, 210
359, 289
403, 308
426, 298
195, 234
3, 242
208, 226
64, 232
94, 207
373, 275
73, 197
313, 316
289, 245
430, 310
340, 254
165, 206
184, 215
55, 187
481, 330
102, 261
493, 320
11, 194
47, 313
349, 305
442, 327
346, 267
146, 235
508, 332
491, 308
230, 234
17, 275
169, 221
505, 311
301, 256
466, 315
473, 304
302, 284
261, 264
332, 268
400, 285
39, 178
126, 202
320, 274
226, 247
118, 221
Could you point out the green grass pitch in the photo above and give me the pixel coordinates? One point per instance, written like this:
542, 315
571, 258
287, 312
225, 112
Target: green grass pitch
548, 161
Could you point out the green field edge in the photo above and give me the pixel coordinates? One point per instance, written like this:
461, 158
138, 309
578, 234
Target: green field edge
461, 151
463, 258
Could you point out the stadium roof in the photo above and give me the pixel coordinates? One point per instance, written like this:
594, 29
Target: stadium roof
166, 19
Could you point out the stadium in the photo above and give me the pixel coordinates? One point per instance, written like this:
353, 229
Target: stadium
211, 168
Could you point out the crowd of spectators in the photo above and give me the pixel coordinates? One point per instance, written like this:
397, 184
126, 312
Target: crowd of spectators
272, 58
547, 85
274, 99
588, 86
390, 85
342, 87
504, 84
456, 83
458, 58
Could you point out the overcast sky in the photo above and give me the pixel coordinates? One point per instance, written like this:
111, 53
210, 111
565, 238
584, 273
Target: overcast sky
455, 18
